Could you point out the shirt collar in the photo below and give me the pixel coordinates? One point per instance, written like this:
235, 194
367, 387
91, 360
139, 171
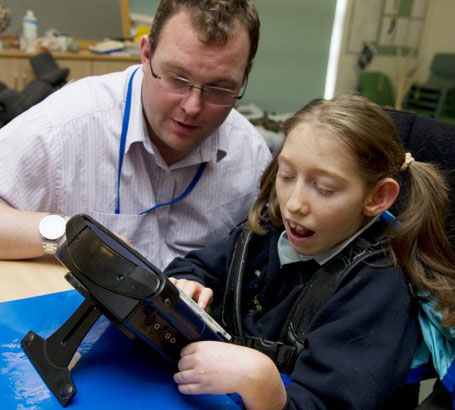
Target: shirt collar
207, 151
288, 255
137, 130
212, 148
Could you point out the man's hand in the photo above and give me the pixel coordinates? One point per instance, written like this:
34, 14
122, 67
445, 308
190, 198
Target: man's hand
202, 295
222, 368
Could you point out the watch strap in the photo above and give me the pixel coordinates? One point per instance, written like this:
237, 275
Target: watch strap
49, 246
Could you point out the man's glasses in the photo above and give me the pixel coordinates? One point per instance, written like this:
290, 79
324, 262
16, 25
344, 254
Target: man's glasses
210, 94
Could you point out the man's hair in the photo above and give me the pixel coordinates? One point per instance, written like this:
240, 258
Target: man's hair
214, 20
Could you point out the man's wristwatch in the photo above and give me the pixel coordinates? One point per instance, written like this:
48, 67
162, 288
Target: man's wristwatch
52, 228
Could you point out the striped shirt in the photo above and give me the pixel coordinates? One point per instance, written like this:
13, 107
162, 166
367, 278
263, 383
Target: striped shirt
61, 156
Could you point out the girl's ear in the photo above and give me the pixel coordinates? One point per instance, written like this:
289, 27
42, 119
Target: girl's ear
381, 197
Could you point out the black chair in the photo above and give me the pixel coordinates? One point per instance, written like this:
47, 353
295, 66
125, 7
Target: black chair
46, 69
13, 103
49, 77
430, 140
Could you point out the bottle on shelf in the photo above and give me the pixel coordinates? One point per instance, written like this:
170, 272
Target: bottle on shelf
29, 38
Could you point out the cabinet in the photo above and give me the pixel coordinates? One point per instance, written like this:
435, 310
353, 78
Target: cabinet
16, 72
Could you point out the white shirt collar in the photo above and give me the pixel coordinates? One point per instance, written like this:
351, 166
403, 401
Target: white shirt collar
288, 255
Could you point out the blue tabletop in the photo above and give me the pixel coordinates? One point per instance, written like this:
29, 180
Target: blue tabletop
113, 371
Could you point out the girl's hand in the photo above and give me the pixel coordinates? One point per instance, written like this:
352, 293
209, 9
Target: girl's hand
222, 368
202, 295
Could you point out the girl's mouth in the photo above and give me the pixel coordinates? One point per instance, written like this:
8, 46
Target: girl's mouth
299, 231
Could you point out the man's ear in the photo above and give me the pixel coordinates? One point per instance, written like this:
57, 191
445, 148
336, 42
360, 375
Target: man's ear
381, 197
249, 68
145, 49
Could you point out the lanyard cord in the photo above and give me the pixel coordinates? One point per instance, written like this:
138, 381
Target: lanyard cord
126, 120
190, 187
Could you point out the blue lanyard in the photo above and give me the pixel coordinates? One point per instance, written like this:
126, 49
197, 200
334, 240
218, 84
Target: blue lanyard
126, 120
389, 217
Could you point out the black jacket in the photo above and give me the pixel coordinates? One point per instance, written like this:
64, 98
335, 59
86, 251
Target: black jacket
359, 345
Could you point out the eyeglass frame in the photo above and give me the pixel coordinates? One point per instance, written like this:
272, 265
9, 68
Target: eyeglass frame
190, 87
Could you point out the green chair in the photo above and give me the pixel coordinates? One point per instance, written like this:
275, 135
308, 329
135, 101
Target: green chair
376, 87
436, 97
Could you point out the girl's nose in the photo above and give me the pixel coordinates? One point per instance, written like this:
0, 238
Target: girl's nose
297, 202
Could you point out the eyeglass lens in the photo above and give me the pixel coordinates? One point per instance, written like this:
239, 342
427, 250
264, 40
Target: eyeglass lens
213, 95
210, 94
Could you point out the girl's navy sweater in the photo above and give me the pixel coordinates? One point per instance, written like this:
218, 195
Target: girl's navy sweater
359, 345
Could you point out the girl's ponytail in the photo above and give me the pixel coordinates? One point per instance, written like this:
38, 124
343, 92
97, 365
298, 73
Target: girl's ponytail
420, 244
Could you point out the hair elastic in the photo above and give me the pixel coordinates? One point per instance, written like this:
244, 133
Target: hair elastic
407, 161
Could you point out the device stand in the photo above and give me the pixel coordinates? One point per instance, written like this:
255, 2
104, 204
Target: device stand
52, 356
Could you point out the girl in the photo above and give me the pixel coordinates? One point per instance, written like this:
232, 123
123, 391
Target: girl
346, 331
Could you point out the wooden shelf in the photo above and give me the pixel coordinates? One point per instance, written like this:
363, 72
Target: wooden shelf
16, 72
80, 55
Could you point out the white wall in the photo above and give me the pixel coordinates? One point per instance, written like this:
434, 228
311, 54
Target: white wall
438, 36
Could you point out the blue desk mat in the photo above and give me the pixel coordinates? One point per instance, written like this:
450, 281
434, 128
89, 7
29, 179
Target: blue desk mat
113, 372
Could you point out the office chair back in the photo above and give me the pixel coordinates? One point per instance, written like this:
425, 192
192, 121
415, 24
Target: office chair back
442, 70
429, 140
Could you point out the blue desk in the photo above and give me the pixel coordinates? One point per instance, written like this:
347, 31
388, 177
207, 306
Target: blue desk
113, 372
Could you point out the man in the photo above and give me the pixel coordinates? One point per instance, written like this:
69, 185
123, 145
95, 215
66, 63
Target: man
129, 148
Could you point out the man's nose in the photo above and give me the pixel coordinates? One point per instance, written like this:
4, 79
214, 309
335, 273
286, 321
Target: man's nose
192, 102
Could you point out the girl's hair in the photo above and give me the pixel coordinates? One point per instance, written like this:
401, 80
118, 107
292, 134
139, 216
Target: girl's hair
420, 244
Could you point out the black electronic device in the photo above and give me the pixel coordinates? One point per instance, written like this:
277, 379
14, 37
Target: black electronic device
131, 292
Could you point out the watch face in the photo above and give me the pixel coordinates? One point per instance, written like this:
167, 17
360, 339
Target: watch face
52, 227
